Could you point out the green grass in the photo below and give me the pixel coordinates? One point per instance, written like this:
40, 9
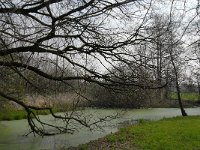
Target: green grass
19, 114
167, 134
191, 96
12, 115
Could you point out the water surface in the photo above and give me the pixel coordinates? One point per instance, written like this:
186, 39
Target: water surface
12, 132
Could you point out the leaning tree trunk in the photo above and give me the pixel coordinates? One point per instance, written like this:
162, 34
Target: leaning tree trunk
198, 83
179, 98
178, 90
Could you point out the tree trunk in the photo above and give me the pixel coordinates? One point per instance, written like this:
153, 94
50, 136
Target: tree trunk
183, 112
166, 93
179, 98
178, 89
198, 83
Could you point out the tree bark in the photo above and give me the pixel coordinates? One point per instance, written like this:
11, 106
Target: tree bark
183, 112
198, 84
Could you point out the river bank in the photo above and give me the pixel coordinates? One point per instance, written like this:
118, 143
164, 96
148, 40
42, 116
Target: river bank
14, 114
9, 115
174, 133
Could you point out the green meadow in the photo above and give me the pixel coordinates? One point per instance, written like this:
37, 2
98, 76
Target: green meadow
167, 134
190, 96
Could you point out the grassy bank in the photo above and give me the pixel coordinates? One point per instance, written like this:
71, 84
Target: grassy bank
167, 134
8, 115
189, 96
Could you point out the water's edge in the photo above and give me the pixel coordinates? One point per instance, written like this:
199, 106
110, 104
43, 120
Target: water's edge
12, 132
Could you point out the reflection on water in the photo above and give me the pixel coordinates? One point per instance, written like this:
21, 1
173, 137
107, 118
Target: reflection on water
11, 132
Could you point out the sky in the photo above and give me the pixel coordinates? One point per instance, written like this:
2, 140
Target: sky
128, 19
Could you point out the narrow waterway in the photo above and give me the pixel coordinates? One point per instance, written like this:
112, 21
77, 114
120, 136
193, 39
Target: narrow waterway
12, 132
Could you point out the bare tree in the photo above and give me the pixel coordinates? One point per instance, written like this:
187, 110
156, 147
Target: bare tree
174, 47
72, 31
165, 53
159, 50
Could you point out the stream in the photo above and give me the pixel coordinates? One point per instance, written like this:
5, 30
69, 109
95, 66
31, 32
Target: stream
12, 132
